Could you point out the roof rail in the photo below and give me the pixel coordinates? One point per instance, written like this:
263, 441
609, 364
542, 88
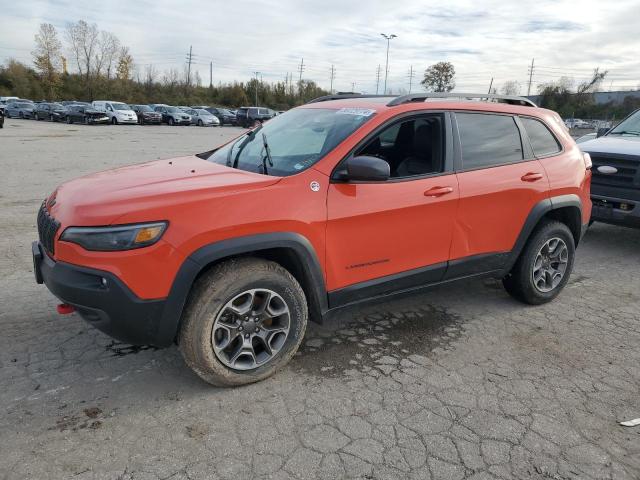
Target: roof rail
420, 97
344, 95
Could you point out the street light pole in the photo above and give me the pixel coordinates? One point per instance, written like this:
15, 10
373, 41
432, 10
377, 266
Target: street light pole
386, 67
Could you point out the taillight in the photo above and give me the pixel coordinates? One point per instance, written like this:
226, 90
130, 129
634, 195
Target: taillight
587, 161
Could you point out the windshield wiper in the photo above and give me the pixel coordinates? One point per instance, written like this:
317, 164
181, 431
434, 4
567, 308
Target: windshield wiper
625, 132
267, 155
244, 143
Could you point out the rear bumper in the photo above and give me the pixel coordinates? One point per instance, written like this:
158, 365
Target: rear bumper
609, 210
103, 300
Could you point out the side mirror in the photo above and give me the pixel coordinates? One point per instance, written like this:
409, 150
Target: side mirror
601, 131
365, 168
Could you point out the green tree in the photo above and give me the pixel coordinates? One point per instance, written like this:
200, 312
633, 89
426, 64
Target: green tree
439, 77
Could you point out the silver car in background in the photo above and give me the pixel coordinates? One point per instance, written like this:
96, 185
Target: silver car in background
202, 118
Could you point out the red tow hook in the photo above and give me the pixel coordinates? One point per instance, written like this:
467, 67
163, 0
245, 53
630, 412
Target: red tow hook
65, 309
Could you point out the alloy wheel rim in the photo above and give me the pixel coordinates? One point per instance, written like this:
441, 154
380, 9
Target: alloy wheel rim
550, 265
251, 329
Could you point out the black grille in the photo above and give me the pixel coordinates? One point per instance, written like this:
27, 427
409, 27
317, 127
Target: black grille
628, 167
47, 228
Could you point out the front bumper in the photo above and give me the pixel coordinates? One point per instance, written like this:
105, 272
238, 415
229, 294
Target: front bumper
98, 120
103, 300
615, 211
132, 121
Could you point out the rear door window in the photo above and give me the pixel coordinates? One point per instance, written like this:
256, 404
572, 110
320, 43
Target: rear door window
488, 140
542, 140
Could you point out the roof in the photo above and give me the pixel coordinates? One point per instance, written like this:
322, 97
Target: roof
380, 103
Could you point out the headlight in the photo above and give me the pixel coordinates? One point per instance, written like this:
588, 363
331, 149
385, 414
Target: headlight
125, 237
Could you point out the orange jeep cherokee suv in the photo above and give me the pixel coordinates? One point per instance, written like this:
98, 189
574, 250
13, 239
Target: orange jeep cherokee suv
341, 200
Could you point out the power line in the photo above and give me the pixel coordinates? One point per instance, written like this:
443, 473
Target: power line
411, 75
189, 60
530, 77
332, 76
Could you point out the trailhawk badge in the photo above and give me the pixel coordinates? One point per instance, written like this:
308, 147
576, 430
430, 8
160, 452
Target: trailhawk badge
315, 186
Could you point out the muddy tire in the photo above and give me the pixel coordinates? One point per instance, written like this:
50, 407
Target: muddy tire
244, 320
544, 266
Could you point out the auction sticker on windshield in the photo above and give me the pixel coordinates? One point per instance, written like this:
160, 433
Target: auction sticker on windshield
363, 112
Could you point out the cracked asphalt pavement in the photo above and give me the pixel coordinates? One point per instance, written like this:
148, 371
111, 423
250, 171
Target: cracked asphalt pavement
458, 382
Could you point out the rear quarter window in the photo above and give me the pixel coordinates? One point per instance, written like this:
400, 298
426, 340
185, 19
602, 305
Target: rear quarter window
543, 142
488, 140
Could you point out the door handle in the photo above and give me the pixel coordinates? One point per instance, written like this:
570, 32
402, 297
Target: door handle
438, 191
531, 177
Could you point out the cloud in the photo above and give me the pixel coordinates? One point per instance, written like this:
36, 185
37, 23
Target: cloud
552, 25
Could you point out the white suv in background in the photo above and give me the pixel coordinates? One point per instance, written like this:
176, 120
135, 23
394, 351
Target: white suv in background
117, 112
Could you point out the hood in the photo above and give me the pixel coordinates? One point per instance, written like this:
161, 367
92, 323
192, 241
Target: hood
102, 198
618, 144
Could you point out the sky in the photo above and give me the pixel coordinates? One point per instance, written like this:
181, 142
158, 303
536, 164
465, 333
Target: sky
483, 39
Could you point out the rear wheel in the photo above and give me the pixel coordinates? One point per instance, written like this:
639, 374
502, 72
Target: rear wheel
21, 115
245, 319
114, 121
544, 266
86, 120
171, 121
68, 119
200, 124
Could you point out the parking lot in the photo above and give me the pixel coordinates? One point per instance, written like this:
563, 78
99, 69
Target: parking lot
459, 382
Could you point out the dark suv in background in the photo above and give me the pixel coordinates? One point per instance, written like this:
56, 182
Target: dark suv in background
146, 115
249, 116
615, 186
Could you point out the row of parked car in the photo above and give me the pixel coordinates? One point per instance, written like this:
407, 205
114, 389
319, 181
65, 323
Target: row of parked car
106, 111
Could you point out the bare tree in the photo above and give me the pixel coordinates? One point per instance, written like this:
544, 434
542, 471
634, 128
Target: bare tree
150, 74
47, 57
107, 54
83, 42
511, 87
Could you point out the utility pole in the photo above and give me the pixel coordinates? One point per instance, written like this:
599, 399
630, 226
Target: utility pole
386, 67
189, 60
300, 69
210, 74
411, 75
490, 85
377, 78
353, 87
256, 74
332, 76
530, 77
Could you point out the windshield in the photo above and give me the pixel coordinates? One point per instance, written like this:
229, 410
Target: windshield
630, 126
174, 110
224, 111
144, 108
203, 113
121, 106
296, 140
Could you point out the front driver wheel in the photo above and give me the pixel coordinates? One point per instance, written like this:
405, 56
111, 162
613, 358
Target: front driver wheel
544, 266
171, 121
245, 319
114, 121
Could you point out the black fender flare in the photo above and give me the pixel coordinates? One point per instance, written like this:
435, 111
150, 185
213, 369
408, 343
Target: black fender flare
536, 214
207, 254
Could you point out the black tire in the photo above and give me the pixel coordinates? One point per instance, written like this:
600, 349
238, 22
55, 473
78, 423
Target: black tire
68, 119
51, 118
114, 120
170, 121
86, 120
200, 124
209, 298
519, 283
21, 115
